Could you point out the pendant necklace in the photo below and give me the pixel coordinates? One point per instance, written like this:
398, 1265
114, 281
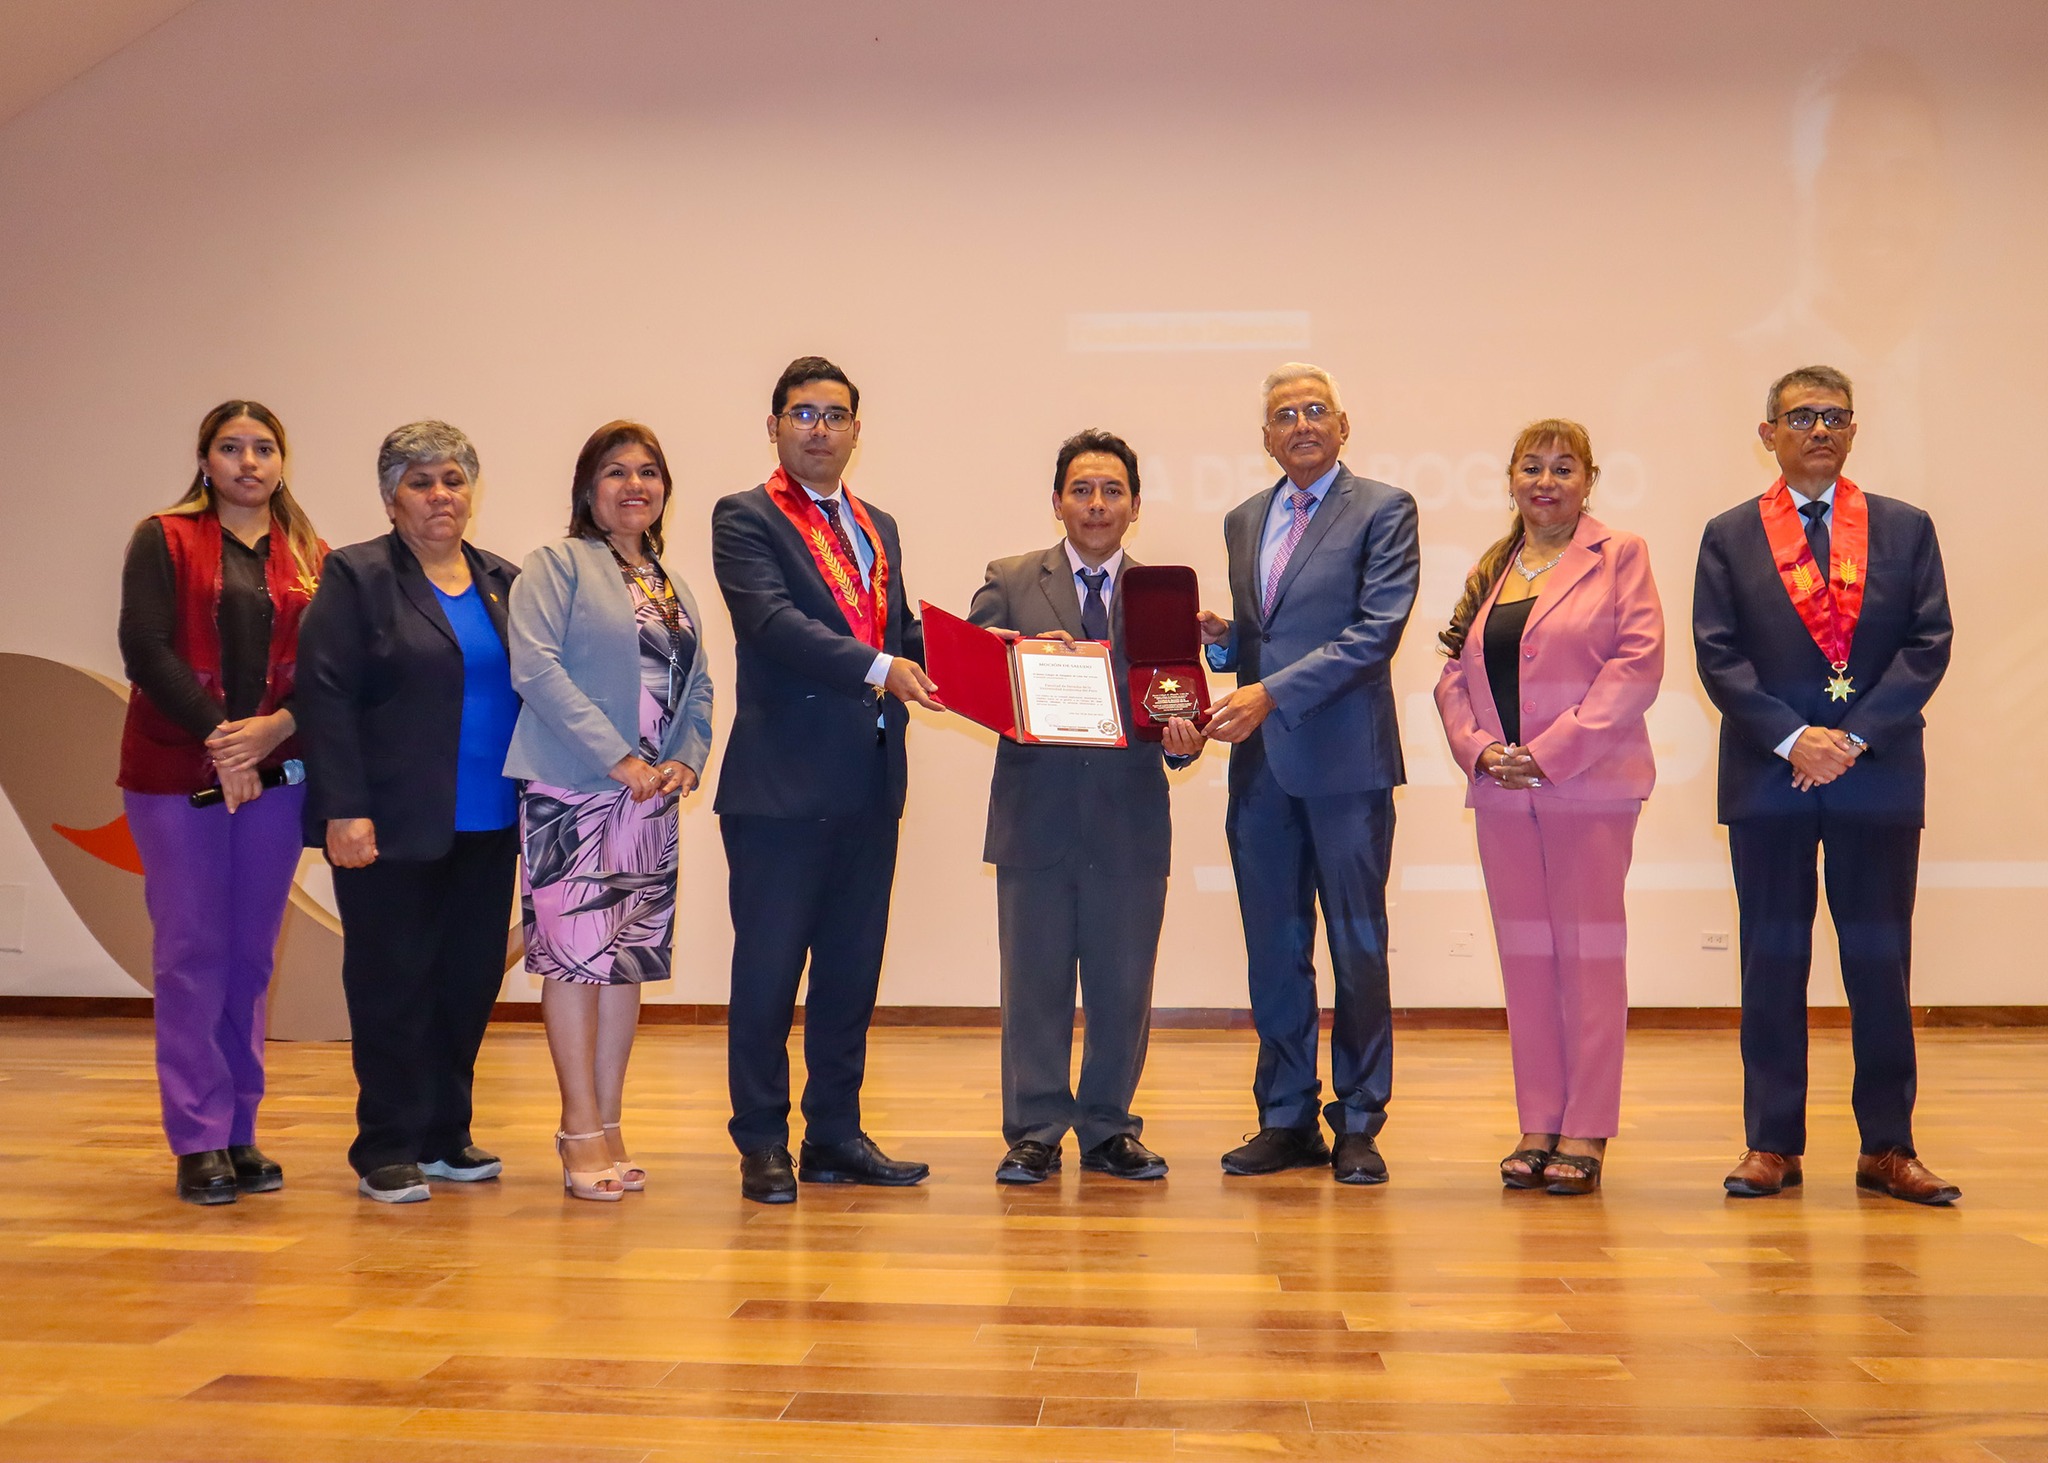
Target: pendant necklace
1532, 575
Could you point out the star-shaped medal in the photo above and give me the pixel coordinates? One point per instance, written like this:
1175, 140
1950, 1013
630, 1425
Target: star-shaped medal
1839, 688
1169, 685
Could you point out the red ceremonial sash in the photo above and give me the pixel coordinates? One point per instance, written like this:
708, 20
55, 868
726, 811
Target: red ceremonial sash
865, 603
1829, 601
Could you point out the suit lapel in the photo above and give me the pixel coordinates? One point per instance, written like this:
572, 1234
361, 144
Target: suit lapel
1334, 503
490, 588
413, 580
1579, 560
1056, 583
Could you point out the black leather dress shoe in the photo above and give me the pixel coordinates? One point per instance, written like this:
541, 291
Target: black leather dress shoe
1271, 1150
1356, 1160
254, 1174
766, 1176
1028, 1162
471, 1166
856, 1161
1124, 1157
206, 1178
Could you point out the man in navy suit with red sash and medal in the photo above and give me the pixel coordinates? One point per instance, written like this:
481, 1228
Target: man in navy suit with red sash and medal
811, 789
1821, 623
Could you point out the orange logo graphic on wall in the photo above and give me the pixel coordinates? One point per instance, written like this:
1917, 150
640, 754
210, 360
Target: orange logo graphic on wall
60, 743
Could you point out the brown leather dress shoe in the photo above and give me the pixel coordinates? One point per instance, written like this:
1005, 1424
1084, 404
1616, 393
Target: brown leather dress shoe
1902, 1176
1760, 1174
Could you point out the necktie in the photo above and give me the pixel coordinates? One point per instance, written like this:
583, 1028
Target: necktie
1302, 503
1094, 614
830, 508
1817, 532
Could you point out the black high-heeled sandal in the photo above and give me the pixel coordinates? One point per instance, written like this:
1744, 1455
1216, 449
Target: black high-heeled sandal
1587, 1167
1536, 1158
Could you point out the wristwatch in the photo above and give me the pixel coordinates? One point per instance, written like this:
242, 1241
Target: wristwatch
1856, 739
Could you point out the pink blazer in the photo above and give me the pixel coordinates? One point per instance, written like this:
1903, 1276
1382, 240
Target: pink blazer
1592, 657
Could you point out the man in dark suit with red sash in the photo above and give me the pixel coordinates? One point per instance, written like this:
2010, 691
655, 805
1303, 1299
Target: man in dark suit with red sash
811, 789
1821, 623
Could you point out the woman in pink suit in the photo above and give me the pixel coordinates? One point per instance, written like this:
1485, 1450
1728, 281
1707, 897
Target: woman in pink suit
1556, 649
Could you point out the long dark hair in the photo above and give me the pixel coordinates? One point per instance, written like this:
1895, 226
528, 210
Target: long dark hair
284, 508
1494, 562
583, 487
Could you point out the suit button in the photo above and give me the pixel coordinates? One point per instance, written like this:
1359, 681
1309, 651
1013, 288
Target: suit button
1528, 705
1265, 639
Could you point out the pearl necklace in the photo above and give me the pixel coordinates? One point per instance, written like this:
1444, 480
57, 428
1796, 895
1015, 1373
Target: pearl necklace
1532, 575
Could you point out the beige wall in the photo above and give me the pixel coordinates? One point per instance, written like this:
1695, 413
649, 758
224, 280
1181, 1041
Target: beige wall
1011, 221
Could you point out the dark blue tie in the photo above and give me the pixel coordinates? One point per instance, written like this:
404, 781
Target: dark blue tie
1817, 532
1094, 614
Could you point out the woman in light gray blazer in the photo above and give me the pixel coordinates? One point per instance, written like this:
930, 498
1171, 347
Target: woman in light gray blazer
615, 730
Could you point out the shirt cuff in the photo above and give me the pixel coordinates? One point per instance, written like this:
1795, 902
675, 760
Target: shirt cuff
1784, 748
878, 673
1215, 654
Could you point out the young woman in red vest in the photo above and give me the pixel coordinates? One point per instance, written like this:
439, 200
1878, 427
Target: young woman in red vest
211, 595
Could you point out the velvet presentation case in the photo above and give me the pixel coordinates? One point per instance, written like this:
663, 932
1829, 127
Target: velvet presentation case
1161, 609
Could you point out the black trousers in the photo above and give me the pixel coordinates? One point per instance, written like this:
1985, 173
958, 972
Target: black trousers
1052, 925
423, 958
1872, 869
1287, 854
816, 891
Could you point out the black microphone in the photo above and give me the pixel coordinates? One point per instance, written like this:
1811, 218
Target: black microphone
290, 774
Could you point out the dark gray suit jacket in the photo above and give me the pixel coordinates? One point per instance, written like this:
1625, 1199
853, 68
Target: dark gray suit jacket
1326, 653
1108, 803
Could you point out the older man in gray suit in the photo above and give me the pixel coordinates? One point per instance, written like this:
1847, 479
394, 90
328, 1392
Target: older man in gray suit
1323, 569
1081, 838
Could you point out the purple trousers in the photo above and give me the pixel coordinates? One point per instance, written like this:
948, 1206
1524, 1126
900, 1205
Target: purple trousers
216, 885
1554, 869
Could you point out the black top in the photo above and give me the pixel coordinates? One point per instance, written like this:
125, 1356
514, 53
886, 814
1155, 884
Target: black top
149, 629
1502, 647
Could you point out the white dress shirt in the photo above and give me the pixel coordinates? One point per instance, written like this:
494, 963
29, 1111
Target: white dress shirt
1114, 564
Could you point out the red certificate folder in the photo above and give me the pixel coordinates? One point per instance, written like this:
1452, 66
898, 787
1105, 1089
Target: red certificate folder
977, 674
1161, 607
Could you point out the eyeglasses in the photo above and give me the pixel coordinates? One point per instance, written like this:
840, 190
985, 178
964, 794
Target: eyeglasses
1802, 418
1287, 416
835, 418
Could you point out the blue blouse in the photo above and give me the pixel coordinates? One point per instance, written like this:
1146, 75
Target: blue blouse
485, 799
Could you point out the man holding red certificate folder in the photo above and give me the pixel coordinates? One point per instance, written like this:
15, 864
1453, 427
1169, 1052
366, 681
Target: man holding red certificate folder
1081, 838
812, 785
1821, 623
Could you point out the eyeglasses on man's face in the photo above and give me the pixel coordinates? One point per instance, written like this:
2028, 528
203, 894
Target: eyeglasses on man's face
1287, 416
835, 418
1802, 418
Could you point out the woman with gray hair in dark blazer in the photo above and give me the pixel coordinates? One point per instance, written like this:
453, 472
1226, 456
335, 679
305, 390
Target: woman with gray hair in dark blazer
615, 729
405, 707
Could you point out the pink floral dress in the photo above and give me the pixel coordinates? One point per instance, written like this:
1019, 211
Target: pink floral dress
599, 892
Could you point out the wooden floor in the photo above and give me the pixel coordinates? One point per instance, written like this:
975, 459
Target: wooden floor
1438, 1318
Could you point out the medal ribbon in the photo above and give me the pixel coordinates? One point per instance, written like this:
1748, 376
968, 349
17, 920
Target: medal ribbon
1829, 602
864, 603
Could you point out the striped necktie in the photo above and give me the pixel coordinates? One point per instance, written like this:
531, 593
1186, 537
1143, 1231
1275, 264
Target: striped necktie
1303, 503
